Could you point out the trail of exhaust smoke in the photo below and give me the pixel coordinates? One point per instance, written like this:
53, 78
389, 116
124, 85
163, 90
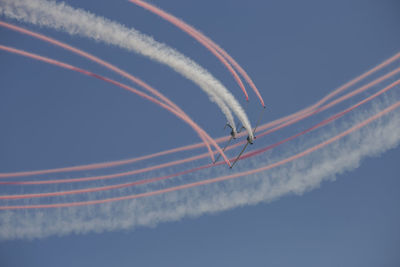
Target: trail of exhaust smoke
193, 158
110, 67
148, 211
303, 115
220, 53
293, 119
303, 174
202, 134
206, 44
217, 179
334, 93
332, 118
79, 22
155, 167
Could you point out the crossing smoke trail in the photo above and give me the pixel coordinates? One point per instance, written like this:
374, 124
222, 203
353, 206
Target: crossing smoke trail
113, 68
220, 53
155, 167
79, 22
301, 172
250, 154
285, 121
203, 135
169, 164
242, 191
271, 126
200, 39
299, 166
190, 185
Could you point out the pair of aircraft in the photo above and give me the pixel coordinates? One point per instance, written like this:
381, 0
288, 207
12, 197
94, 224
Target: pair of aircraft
250, 139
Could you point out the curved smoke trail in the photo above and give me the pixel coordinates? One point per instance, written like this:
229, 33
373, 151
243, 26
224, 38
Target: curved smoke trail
200, 39
118, 71
297, 175
181, 115
60, 16
287, 120
220, 53
337, 151
245, 156
299, 165
182, 161
269, 127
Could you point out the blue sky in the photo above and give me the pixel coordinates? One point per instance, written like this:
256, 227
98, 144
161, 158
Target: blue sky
296, 52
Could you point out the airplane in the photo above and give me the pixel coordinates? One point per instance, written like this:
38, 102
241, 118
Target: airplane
250, 140
233, 136
233, 131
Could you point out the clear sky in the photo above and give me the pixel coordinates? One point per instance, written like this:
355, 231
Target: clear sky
296, 52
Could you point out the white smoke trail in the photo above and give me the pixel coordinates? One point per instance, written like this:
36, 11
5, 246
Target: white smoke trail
60, 16
296, 177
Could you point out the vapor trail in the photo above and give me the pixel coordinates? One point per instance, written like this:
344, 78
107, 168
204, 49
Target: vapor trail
334, 117
268, 176
202, 134
155, 167
334, 93
213, 180
204, 42
220, 53
79, 22
315, 109
110, 67
293, 177
272, 126
260, 135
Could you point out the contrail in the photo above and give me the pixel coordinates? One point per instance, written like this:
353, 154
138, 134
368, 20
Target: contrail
274, 126
113, 68
334, 93
213, 180
299, 173
201, 40
202, 134
317, 108
263, 176
260, 135
60, 16
220, 53
247, 155
169, 164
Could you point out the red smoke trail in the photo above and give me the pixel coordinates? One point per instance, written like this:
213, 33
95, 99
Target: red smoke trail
124, 174
333, 93
177, 162
117, 175
115, 69
213, 180
175, 21
100, 165
289, 118
305, 115
209, 44
70, 67
247, 155
326, 121
110, 164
